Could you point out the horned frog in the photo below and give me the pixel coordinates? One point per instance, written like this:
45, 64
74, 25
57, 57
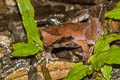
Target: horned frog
83, 33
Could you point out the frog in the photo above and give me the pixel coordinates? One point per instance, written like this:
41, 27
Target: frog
83, 33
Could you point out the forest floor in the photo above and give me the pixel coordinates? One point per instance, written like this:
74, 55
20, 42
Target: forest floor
49, 13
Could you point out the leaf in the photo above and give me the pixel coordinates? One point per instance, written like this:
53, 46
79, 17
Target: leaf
104, 41
27, 13
114, 55
24, 49
106, 71
111, 56
115, 14
118, 5
78, 71
102, 46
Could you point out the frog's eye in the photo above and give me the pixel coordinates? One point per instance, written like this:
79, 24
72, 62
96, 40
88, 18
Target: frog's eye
98, 32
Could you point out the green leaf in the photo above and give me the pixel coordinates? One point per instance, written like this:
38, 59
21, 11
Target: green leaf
114, 55
118, 5
78, 71
102, 46
115, 14
24, 49
104, 41
106, 71
27, 12
111, 56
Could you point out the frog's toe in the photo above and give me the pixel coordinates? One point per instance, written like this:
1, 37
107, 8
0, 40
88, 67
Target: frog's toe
45, 56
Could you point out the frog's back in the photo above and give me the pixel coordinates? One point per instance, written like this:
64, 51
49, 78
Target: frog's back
73, 29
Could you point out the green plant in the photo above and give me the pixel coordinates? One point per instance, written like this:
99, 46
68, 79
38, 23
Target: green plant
104, 54
34, 44
100, 63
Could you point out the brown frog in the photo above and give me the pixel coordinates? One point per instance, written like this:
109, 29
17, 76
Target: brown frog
83, 33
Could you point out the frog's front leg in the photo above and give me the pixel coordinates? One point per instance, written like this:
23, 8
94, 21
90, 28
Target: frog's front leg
85, 48
46, 55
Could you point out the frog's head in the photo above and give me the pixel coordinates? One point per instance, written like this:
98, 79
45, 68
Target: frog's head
94, 31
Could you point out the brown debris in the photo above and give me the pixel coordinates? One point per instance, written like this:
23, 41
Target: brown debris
115, 26
18, 73
81, 1
57, 69
2, 53
6, 40
3, 8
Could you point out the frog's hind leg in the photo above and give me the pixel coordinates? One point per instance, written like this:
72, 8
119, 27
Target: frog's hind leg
85, 48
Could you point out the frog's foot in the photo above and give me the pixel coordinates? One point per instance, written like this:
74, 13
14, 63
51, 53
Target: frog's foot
85, 48
45, 56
